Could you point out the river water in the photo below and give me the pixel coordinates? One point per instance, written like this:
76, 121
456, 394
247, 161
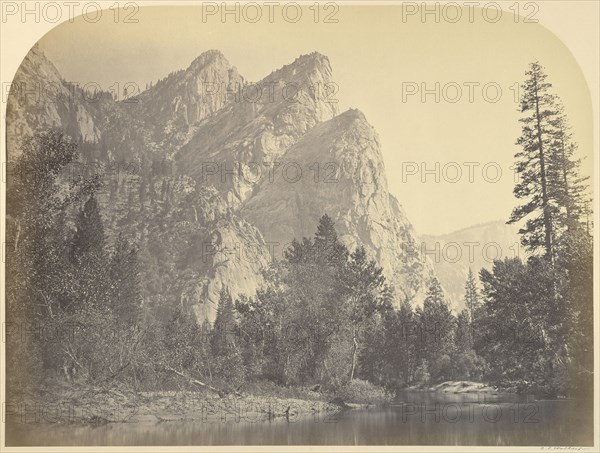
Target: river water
416, 418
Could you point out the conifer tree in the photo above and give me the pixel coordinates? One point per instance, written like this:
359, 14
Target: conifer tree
533, 164
89, 259
224, 325
125, 281
89, 236
367, 293
436, 324
571, 190
471, 295
229, 365
327, 246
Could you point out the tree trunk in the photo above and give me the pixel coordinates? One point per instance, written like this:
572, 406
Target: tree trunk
545, 200
566, 183
17, 235
220, 392
354, 349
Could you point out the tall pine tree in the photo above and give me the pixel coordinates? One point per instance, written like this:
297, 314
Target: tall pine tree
534, 186
328, 248
125, 282
367, 293
89, 239
224, 326
570, 188
89, 259
436, 336
471, 295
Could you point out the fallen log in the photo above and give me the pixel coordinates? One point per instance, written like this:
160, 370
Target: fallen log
219, 392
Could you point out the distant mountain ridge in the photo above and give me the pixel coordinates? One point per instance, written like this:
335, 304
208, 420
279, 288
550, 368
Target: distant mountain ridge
474, 247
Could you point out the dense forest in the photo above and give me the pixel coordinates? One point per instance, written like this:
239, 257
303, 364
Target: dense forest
93, 285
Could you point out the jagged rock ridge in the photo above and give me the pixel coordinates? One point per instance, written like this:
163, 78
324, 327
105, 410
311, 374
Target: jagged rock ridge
254, 130
292, 124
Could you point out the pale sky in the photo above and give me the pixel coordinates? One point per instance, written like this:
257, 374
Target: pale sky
376, 57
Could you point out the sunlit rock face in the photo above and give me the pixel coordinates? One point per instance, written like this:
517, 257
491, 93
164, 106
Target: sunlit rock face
337, 168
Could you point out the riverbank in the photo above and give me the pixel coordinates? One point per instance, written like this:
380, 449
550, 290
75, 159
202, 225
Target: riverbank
431, 418
463, 387
81, 404
458, 387
513, 388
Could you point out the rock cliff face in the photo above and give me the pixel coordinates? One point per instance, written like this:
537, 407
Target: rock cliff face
175, 104
188, 96
337, 168
235, 149
264, 160
219, 249
40, 98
